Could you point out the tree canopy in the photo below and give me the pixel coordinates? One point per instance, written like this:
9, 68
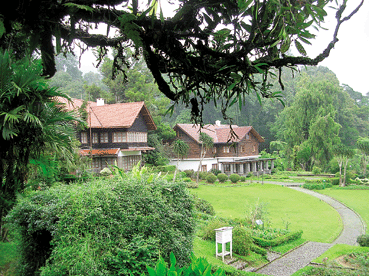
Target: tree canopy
207, 51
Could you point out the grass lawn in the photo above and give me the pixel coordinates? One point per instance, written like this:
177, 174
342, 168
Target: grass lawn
319, 221
358, 200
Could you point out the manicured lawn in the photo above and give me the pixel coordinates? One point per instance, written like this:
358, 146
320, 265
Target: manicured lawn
319, 221
358, 200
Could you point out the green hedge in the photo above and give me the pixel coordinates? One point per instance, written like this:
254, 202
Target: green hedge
277, 241
258, 250
113, 226
317, 186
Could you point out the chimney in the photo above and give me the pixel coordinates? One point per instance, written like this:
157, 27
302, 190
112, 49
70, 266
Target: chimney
217, 123
100, 101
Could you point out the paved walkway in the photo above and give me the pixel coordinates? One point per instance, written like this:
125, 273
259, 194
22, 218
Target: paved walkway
302, 256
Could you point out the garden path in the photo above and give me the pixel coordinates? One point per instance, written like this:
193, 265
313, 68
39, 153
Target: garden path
288, 264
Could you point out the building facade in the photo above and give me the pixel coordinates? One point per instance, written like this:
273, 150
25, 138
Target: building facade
116, 134
236, 149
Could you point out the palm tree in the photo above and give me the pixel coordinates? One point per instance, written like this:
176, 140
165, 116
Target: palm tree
363, 145
181, 149
30, 122
343, 154
207, 143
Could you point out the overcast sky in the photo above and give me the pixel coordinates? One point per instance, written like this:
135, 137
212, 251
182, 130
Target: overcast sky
349, 60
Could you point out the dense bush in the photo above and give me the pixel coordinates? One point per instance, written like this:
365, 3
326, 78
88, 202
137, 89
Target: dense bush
204, 206
316, 170
363, 240
242, 178
277, 241
203, 175
242, 240
335, 181
222, 177
267, 176
166, 168
105, 227
208, 232
234, 177
317, 185
211, 178
186, 179
189, 173
250, 174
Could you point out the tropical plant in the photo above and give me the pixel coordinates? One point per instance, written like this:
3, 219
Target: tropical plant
343, 154
31, 122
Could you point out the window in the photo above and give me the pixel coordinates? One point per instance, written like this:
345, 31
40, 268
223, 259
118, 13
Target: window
107, 161
227, 167
138, 137
129, 161
119, 137
96, 163
243, 149
214, 166
95, 138
214, 150
104, 137
247, 137
204, 168
225, 149
84, 137
253, 148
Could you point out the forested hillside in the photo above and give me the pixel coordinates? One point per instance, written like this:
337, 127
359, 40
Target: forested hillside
318, 113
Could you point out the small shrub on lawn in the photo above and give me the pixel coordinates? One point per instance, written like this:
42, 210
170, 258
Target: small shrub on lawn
189, 173
267, 176
243, 178
269, 233
277, 241
215, 171
316, 170
242, 240
105, 172
250, 174
363, 240
234, 178
113, 226
222, 177
192, 185
203, 175
204, 206
335, 180
317, 185
186, 179
211, 178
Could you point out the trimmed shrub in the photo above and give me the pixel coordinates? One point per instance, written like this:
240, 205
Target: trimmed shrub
363, 240
243, 178
215, 171
113, 226
335, 181
204, 175
277, 241
267, 176
204, 206
222, 177
317, 185
250, 174
167, 168
211, 178
105, 172
242, 240
186, 179
234, 177
258, 250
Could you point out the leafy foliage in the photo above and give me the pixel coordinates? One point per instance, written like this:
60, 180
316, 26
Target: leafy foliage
234, 178
119, 225
211, 178
205, 52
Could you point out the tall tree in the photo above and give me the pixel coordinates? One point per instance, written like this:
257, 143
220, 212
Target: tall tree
207, 144
207, 51
180, 149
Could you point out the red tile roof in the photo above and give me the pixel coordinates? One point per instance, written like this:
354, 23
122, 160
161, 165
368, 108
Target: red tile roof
219, 133
120, 115
99, 152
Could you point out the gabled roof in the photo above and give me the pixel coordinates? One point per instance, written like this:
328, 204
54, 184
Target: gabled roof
219, 133
120, 115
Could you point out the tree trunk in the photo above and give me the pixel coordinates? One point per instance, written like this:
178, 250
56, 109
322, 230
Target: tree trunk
344, 173
200, 164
